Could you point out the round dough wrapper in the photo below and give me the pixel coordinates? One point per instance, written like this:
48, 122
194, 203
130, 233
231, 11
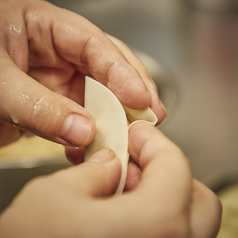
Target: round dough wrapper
112, 121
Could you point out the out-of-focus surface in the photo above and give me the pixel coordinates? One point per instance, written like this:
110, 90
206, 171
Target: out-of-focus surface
25, 159
229, 199
30, 150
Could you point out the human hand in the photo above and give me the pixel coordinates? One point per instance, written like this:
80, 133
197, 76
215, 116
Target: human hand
45, 52
162, 198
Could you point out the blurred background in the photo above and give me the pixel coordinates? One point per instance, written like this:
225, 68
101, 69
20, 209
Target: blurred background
191, 50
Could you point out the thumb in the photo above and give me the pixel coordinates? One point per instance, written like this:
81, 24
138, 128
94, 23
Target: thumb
27, 104
97, 177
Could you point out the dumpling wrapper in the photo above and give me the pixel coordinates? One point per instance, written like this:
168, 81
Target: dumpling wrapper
112, 123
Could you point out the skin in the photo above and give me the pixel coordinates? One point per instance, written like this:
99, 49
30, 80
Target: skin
45, 53
162, 198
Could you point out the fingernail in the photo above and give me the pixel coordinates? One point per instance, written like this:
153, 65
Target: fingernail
103, 155
76, 130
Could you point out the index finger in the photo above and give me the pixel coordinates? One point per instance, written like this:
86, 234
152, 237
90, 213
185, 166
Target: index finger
80, 42
156, 104
166, 175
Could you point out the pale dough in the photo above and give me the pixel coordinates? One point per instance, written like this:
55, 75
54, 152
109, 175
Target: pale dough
112, 121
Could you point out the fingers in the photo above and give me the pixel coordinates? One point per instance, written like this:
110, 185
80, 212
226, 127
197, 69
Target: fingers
83, 44
206, 212
75, 155
133, 176
97, 177
165, 170
92, 53
31, 106
156, 104
167, 176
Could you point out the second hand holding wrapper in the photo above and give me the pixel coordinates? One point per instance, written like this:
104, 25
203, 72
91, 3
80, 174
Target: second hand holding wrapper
112, 123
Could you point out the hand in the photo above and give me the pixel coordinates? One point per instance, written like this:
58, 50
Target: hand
162, 198
45, 53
